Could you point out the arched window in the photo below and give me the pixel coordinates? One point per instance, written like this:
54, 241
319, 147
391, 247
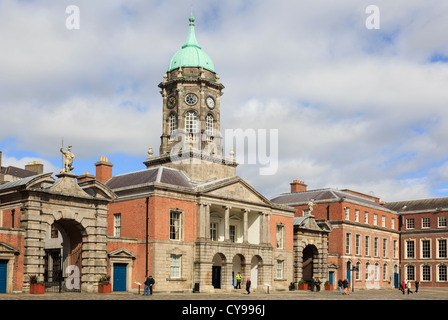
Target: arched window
209, 126
191, 122
173, 125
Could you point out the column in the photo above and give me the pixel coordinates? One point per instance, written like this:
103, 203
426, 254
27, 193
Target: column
207, 221
245, 225
226, 223
201, 219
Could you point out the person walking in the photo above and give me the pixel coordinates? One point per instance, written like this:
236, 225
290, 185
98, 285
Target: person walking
248, 283
417, 284
403, 286
409, 287
340, 286
345, 284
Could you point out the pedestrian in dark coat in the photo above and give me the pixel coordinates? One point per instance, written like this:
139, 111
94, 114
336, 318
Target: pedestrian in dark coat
248, 283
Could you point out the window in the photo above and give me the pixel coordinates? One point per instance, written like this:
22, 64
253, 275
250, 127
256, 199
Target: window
209, 126
410, 223
232, 233
442, 252
442, 273
367, 271
173, 125
357, 215
410, 249
117, 225
426, 249
383, 221
191, 125
376, 272
367, 246
280, 236
358, 271
214, 231
54, 232
395, 249
392, 223
375, 219
385, 272
348, 240
347, 213
366, 217
426, 273
279, 269
376, 247
385, 248
358, 244
426, 223
175, 225
442, 222
410, 270
175, 266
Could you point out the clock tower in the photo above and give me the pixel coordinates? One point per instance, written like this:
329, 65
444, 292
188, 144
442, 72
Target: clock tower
191, 138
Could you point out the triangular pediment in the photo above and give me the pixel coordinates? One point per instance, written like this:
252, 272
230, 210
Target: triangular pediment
121, 253
7, 248
234, 189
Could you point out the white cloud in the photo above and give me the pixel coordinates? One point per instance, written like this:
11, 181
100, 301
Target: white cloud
354, 107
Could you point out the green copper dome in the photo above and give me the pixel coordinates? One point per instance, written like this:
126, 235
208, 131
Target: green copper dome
191, 54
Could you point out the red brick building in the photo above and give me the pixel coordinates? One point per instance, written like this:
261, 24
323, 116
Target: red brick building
423, 240
365, 234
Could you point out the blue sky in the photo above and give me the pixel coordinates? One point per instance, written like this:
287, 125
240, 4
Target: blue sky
355, 108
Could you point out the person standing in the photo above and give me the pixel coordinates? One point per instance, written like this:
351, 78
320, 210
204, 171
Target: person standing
238, 281
340, 285
248, 283
146, 289
409, 287
151, 283
417, 284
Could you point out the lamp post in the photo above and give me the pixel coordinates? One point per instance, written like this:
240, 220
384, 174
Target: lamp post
353, 280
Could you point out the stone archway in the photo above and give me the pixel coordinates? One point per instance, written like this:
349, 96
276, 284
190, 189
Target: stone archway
310, 253
255, 271
238, 266
218, 270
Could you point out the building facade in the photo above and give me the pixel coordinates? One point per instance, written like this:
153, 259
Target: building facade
364, 240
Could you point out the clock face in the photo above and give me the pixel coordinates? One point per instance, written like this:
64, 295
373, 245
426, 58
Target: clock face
210, 102
191, 99
171, 102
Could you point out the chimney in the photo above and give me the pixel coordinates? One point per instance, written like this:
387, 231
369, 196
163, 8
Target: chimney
103, 169
85, 177
35, 166
298, 186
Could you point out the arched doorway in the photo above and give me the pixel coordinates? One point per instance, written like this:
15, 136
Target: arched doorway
237, 266
63, 256
218, 261
255, 271
309, 254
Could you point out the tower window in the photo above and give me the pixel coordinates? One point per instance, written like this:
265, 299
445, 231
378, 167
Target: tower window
209, 125
191, 122
173, 125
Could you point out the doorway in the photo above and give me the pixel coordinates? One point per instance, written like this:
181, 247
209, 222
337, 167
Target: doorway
120, 275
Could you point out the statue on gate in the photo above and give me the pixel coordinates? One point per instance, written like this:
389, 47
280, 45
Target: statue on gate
68, 160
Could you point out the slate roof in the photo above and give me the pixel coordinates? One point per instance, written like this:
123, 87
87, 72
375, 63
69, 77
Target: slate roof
418, 205
322, 195
17, 172
158, 174
21, 182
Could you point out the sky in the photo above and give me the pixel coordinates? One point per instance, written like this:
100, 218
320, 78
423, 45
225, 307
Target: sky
355, 106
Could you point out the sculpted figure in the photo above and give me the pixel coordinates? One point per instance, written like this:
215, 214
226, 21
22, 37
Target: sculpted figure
68, 160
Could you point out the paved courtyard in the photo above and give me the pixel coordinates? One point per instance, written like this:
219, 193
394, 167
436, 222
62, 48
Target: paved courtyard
361, 294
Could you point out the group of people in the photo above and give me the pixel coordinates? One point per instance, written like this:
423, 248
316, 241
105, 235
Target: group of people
149, 283
315, 283
344, 286
239, 277
406, 286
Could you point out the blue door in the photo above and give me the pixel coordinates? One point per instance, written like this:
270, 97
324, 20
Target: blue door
330, 277
3, 275
349, 266
119, 277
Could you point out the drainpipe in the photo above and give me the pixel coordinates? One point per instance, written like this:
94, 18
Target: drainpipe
147, 234
13, 211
